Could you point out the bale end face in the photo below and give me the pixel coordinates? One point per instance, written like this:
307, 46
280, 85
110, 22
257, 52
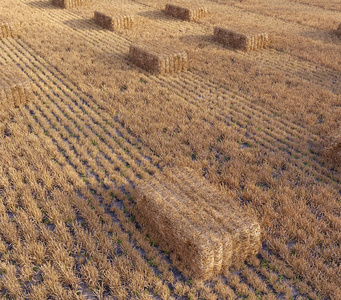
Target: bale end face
15, 89
187, 14
158, 60
69, 3
332, 148
8, 29
338, 31
241, 41
114, 22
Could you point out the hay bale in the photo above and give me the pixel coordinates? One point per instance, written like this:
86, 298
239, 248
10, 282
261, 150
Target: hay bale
245, 42
338, 30
158, 59
112, 22
193, 221
332, 147
186, 13
70, 3
15, 88
8, 29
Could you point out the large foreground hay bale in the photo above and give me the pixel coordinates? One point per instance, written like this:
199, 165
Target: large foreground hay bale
112, 22
186, 13
7, 28
158, 59
15, 88
338, 30
205, 233
245, 42
70, 3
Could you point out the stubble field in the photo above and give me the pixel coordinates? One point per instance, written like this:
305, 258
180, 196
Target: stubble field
254, 124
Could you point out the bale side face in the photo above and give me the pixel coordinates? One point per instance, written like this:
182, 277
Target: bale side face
69, 3
15, 89
158, 60
241, 41
187, 14
114, 22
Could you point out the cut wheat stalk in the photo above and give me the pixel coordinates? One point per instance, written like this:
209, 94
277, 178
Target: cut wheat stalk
69, 3
186, 13
112, 22
245, 42
15, 88
157, 59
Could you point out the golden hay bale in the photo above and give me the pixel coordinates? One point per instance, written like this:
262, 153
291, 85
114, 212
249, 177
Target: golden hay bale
332, 147
338, 30
158, 59
7, 28
114, 22
245, 42
193, 221
186, 13
70, 3
15, 88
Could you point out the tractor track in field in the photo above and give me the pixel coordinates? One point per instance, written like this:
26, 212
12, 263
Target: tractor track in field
262, 113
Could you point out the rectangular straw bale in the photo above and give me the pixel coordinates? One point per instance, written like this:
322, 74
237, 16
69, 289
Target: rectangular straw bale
338, 30
15, 88
190, 246
233, 233
157, 59
185, 13
243, 227
7, 29
111, 22
70, 3
332, 148
245, 42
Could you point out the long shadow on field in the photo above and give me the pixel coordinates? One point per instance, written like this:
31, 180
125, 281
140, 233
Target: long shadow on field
82, 24
155, 15
42, 5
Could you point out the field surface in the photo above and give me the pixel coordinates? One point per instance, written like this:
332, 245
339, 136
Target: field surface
255, 125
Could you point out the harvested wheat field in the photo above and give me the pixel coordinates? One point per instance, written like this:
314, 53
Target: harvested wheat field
107, 170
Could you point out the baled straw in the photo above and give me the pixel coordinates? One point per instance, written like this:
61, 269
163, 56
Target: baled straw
189, 245
332, 148
232, 234
338, 30
15, 88
112, 22
186, 13
8, 29
245, 42
158, 59
243, 227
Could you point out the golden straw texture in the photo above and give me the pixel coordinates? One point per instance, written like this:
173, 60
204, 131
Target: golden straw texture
195, 223
185, 13
245, 42
158, 59
15, 89
114, 22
